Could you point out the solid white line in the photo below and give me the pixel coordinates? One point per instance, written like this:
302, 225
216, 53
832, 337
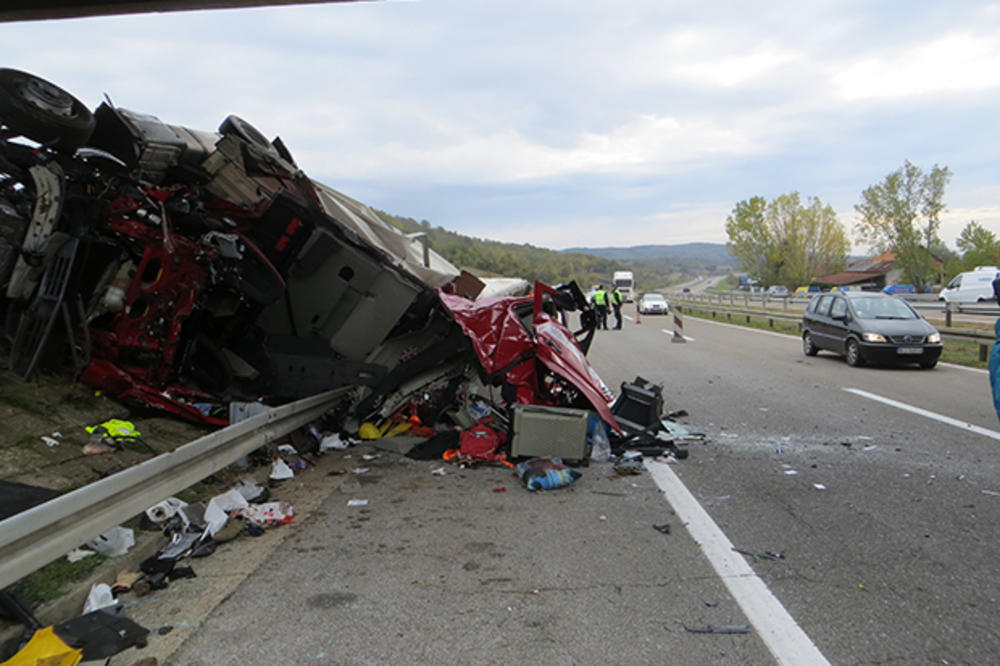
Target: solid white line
671, 333
985, 432
747, 328
777, 628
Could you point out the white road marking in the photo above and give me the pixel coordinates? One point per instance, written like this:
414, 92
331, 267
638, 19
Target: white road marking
979, 430
795, 337
777, 628
671, 333
747, 328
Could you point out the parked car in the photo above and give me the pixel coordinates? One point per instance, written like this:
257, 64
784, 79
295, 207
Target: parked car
777, 291
653, 304
807, 290
899, 289
869, 327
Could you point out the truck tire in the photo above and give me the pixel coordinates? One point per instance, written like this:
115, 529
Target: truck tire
43, 112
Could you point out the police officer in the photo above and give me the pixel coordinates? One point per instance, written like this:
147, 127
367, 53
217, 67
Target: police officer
600, 300
616, 304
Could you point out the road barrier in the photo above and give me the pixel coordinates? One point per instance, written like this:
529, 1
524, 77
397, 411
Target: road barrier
33, 538
678, 325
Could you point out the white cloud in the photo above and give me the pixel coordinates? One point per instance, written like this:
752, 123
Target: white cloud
957, 62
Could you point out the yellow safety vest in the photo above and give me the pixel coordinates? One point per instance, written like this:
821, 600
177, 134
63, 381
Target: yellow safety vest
600, 298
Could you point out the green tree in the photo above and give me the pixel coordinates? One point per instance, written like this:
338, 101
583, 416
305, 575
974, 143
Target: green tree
975, 236
902, 213
979, 247
784, 241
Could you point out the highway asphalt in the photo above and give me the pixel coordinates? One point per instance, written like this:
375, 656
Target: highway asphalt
878, 488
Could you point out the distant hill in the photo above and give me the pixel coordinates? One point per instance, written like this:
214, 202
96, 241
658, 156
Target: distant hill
710, 253
490, 258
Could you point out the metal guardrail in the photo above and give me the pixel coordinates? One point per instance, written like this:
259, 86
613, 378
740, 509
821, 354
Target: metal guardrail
33, 538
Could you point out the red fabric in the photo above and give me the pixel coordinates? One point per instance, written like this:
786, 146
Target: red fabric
481, 441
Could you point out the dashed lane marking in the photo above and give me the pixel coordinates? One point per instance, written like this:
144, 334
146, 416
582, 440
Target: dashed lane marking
979, 430
777, 628
670, 333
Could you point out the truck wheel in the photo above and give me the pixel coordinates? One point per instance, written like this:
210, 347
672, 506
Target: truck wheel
247, 132
43, 112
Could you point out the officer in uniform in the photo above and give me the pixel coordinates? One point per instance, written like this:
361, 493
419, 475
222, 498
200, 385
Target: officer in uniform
600, 300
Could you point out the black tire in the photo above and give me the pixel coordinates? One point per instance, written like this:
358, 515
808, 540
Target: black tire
247, 132
808, 348
853, 353
928, 365
43, 112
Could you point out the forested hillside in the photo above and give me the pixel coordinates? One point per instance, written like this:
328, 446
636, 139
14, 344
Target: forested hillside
492, 258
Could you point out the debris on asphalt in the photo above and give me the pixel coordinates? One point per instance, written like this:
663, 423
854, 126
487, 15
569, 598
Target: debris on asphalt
819, 486
546, 474
722, 629
663, 528
357, 502
114, 543
766, 555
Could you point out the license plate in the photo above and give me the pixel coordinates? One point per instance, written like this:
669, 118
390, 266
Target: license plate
910, 350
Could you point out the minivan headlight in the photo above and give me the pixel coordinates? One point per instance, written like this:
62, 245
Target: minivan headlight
934, 338
872, 337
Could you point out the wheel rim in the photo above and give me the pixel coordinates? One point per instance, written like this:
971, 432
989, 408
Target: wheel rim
47, 97
852, 352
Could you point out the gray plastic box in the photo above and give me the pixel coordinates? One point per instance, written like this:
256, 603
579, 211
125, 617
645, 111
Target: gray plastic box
556, 432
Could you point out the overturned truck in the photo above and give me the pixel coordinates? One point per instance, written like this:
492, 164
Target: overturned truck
181, 270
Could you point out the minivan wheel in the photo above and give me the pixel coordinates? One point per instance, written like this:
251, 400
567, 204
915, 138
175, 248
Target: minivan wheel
854, 358
808, 348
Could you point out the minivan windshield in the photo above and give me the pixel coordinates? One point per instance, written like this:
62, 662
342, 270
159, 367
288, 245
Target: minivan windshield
882, 308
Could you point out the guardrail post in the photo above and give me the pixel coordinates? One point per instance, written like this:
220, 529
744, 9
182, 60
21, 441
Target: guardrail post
786, 303
947, 315
746, 301
984, 352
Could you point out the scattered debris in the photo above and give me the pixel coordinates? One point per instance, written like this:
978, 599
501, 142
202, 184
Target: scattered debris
766, 555
664, 528
819, 486
723, 629
357, 502
113, 543
991, 492
546, 474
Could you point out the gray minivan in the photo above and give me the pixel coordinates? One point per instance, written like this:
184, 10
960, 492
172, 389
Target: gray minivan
869, 327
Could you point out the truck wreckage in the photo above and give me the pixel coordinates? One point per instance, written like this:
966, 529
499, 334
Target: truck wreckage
181, 270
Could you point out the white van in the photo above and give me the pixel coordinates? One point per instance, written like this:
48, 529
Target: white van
971, 286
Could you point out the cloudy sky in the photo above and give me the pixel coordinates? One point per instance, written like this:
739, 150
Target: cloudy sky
570, 122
